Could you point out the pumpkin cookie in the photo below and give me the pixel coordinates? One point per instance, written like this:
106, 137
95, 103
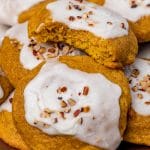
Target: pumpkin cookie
19, 54
8, 132
5, 87
71, 106
137, 12
138, 127
102, 34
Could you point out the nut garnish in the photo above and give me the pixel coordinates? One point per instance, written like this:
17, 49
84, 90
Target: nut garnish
76, 113
62, 115
63, 104
85, 90
140, 96
46, 113
71, 18
134, 89
123, 26
85, 109
52, 50
147, 103
135, 73
71, 102
108, 22
62, 89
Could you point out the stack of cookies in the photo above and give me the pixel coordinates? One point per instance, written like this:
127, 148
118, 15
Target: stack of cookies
75, 74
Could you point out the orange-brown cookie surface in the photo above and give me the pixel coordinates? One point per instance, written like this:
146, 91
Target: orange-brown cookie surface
112, 51
139, 115
43, 141
5, 88
8, 132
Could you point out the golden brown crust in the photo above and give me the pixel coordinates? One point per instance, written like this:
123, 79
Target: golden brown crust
138, 129
113, 53
6, 87
27, 14
8, 132
9, 59
141, 28
42, 141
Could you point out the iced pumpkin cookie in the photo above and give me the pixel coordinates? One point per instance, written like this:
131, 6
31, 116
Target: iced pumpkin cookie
144, 51
136, 11
8, 132
5, 87
11, 9
101, 33
19, 54
138, 128
67, 106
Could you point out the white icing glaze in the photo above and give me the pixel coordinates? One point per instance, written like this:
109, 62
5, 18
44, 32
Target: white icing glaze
3, 30
93, 18
30, 57
57, 83
124, 8
1, 92
144, 51
19, 32
7, 105
10, 9
140, 95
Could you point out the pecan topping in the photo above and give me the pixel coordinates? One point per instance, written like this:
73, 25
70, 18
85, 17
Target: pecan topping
62, 89
135, 73
76, 113
71, 18
85, 109
85, 90
63, 104
71, 102
140, 96
147, 103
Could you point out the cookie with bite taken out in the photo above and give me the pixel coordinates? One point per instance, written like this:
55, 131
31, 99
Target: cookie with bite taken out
101, 33
20, 54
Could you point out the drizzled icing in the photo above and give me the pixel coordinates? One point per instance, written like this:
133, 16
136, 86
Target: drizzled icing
82, 15
10, 9
132, 10
139, 79
32, 53
61, 100
144, 51
1, 92
7, 105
